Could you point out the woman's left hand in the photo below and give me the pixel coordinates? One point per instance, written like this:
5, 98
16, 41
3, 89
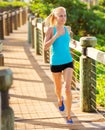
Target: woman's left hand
75, 44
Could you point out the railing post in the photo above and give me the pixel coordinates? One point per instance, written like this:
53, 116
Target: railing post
1, 59
26, 14
30, 18
73, 83
18, 15
45, 53
15, 20
1, 46
21, 9
87, 76
1, 55
36, 35
32, 31
1, 27
7, 117
6, 24
10, 22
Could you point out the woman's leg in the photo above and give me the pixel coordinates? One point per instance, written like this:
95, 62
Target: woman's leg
68, 72
57, 77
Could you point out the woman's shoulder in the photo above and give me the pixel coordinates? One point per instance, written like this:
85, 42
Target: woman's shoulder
49, 30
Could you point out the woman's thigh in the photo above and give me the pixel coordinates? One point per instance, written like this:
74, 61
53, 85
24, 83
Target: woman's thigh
67, 74
57, 77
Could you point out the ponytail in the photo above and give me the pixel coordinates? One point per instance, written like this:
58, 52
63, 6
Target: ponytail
50, 20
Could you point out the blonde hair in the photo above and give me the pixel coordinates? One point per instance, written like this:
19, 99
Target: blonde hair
50, 20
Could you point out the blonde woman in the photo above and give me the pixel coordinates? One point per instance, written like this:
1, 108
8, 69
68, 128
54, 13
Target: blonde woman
58, 38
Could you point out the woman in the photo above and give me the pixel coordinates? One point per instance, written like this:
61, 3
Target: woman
58, 38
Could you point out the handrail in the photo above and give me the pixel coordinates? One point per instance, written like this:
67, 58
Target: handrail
96, 54
91, 52
39, 26
77, 48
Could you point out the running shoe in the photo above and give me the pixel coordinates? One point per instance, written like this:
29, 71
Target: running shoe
69, 121
62, 107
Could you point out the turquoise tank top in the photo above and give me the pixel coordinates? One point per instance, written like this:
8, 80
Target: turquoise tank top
60, 51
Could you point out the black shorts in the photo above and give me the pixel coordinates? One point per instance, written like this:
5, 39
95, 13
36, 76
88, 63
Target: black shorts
60, 68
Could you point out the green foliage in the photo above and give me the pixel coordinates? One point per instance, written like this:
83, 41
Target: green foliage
38, 8
19, 4
49, 1
5, 6
99, 19
101, 42
102, 2
101, 86
87, 22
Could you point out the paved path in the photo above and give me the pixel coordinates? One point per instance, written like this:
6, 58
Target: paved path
32, 94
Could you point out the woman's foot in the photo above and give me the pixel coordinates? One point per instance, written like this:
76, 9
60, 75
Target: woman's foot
69, 120
61, 105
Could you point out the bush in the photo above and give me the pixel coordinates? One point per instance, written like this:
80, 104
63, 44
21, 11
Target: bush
5, 6
102, 2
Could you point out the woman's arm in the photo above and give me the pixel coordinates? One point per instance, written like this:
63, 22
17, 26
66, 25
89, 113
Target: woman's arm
49, 38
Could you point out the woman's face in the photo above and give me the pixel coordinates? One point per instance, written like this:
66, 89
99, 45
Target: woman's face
60, 16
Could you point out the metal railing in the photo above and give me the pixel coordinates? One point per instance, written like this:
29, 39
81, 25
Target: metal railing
98, 58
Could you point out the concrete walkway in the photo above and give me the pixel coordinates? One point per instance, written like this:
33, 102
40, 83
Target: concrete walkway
32, 95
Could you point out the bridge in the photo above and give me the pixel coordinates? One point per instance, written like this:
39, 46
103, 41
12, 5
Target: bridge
32, 95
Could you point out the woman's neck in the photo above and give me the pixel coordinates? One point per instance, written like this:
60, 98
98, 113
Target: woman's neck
59, 26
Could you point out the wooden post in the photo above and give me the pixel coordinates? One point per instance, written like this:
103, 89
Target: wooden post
36, 35
46, 54
21, 19
1, 27
10, 21
15, 20
26, 14
30, 17
1, 59
32, 30
73, 83
7, 117
87, 76
1, 46
18, 15
6, 23
1, 55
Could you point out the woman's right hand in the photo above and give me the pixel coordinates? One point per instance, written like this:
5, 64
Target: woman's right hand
60, 32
